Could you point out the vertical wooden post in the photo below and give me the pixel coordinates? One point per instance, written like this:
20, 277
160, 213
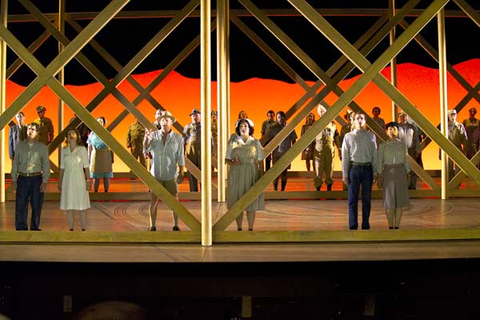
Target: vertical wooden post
442, 73
393, 63
3, 88
205, 91
61, 73
223, 92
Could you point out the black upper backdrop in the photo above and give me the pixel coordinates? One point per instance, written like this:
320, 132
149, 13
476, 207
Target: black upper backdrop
123, 38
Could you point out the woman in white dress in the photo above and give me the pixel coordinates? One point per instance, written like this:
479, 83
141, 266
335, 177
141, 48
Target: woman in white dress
74, 179
244, 155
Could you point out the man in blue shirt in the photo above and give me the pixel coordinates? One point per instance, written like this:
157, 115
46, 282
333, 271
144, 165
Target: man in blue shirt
166, 148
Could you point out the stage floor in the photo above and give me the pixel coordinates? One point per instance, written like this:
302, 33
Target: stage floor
427, 216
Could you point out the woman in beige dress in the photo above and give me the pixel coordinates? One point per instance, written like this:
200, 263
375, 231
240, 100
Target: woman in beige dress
244, 155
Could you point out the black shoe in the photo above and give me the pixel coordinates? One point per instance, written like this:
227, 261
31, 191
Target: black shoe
175, 228
239, 229
83, 229
36, 229
329, 187
71, 229
250, 229
318, 188
152, 229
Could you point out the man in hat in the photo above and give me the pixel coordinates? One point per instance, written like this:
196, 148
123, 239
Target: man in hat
17, 133
46, 126
166, 148
30, 173
458, 136
471, 124
410, 136
324, 152
193, 147
135, 136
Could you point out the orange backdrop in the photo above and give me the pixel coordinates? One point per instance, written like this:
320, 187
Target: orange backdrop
180, 95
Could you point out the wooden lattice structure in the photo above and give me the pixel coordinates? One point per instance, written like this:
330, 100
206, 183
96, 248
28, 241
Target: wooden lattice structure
353, 56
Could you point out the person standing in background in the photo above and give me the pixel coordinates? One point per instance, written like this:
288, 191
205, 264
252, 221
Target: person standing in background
409, 135
282, 148
265, 138
46, 126
471, 124
193, 145
101, 159
324, 152
307, 154
458, 136
17, 133
135, 136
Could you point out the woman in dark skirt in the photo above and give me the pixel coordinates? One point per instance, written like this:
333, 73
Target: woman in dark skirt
393, 176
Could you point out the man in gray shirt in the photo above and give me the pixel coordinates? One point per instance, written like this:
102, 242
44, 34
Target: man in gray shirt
359, 157
30, 173
166, 148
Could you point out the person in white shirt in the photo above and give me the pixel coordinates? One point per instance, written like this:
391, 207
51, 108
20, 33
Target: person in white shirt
359, 157
166, 148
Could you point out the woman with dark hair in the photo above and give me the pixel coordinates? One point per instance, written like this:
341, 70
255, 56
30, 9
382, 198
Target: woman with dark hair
307, 154
101, 159
393, 172
74, 179
244, 155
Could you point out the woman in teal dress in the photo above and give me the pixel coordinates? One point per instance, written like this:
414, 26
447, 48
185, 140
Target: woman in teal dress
101, 159
244, 155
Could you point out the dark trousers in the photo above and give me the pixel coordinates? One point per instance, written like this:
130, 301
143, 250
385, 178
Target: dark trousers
28, 190
360, 176
268, 161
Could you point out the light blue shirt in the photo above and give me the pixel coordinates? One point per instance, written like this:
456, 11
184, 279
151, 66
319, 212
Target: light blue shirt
358, 146
166, 156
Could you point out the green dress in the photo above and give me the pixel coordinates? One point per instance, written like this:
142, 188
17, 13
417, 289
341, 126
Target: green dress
243, 176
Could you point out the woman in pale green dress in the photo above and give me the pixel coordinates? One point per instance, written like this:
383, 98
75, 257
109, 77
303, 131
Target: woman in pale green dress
244, 155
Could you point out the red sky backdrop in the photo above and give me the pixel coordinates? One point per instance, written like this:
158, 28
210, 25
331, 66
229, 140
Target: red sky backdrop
256, 96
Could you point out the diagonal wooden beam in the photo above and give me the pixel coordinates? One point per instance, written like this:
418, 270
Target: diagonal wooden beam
469, 11
59, 62
89, 66
371, 72
32, 48
117, 66
282, 64
136, 60
120, 151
